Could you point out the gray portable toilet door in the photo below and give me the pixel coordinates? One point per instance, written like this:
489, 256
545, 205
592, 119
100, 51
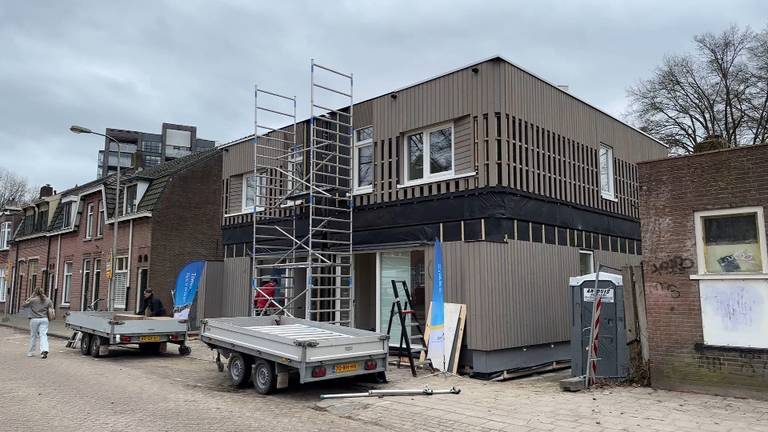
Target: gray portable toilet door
607, 350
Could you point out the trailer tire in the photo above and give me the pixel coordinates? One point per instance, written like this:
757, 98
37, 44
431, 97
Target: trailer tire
239, 369
264, 377
85, 343
96, 342
185, 350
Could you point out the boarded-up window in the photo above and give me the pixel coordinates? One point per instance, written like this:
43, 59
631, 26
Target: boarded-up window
730, 241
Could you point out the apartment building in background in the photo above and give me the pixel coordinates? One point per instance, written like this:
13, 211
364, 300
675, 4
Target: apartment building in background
168, 215
525, 184
147, 150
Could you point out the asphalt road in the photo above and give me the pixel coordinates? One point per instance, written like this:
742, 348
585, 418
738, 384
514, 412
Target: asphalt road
131, 391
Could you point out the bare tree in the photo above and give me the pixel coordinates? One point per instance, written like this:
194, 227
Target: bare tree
14, 189
719, 89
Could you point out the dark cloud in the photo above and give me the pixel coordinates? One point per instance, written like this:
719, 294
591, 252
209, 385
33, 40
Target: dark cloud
137, 64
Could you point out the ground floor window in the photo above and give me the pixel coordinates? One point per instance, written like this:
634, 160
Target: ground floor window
66, 289
731, 241
586, 262
120, 283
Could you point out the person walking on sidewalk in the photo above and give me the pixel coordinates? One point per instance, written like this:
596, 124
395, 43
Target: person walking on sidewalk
38, 306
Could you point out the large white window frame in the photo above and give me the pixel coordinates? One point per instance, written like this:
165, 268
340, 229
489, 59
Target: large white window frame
260, 183
359, 145
699, 217
3, 284
89, 222
427, 175
607, 176
5, 235
66, 288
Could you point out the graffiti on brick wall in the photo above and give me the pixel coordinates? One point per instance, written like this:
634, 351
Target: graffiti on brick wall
665, 288
674, 265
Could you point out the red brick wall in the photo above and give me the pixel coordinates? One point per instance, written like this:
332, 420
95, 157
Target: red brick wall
75, 247
671, 190
26, 252
186, 225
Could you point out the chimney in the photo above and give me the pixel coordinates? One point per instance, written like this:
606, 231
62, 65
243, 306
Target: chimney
137, 160
46, 191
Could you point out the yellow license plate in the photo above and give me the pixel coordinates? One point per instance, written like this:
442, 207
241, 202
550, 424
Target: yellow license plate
149, 338
346, 367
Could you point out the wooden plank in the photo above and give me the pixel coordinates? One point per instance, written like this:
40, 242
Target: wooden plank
454, 363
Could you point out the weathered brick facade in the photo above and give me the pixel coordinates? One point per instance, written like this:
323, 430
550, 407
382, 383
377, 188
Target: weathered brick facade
671, 190
175, 220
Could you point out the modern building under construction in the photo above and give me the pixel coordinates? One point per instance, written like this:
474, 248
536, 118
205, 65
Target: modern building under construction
524, 183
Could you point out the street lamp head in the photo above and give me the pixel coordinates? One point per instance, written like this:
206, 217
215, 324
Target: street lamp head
80, 129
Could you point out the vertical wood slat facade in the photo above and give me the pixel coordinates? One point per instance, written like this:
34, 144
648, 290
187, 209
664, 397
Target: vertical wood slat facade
552, 149
515, 292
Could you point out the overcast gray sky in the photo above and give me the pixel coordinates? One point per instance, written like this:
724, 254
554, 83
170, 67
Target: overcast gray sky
134, 65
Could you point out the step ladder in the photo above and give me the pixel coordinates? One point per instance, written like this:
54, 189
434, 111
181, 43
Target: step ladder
410, 329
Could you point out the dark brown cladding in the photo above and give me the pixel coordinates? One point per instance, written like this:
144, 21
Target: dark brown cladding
510, 129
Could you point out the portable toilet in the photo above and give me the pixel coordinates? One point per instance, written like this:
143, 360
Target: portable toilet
612, 350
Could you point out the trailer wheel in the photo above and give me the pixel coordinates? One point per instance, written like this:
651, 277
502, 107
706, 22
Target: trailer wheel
239, 369
185, 350
264, 379
96, 342
85, 343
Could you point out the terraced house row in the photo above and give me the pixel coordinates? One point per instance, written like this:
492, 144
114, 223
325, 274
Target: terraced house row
62, 241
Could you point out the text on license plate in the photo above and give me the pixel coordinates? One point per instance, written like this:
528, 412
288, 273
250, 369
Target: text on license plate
149, 338
346, 367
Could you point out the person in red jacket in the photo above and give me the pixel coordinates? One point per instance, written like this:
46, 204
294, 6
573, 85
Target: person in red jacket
261, 299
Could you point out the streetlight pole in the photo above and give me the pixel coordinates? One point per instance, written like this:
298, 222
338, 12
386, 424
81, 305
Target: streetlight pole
80, 130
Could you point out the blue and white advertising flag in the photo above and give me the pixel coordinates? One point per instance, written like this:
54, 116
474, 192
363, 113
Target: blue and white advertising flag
187, 283
436, 345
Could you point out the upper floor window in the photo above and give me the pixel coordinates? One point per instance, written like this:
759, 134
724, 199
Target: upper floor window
151, 146
5, 235
89, 222
363, 160
606, 172
731, 241
254, 192
100, 216
42, 220
294, 182
66, 215
152, 161
130, 199
429, 154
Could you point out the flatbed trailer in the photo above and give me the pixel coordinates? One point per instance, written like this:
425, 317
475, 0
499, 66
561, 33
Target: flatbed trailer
272, 349
99, 330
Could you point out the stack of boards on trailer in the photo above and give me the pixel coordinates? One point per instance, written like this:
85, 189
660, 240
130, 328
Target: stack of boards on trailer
268, 350
97, 331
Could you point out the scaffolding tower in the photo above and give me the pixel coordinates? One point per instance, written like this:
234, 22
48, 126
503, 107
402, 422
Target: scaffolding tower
302, 212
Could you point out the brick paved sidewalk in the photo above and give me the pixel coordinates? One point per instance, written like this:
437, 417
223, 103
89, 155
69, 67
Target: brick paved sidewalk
537, 404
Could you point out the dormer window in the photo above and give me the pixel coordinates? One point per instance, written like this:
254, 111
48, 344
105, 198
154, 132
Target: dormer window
66, 215
5, 235
130, 199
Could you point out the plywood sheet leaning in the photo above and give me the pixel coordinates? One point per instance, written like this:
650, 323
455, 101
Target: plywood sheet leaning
455, 319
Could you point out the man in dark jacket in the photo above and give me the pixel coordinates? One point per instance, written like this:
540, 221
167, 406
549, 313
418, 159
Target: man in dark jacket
151, 306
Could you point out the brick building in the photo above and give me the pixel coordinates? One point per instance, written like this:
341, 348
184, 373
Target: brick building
706, 270
169, 215
10, 217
